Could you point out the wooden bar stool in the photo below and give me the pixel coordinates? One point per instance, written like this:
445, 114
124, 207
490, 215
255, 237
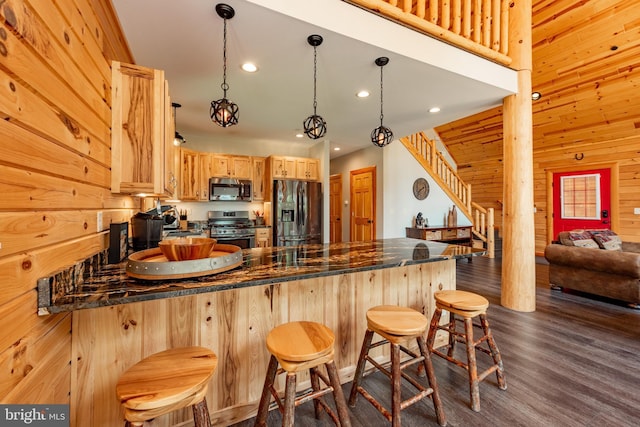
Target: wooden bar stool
465, 306
297, 346
397, 325
166, 381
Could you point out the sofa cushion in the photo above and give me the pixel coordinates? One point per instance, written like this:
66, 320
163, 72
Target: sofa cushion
607, 239
582, 239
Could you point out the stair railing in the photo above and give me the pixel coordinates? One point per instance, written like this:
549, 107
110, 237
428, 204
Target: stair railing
434, 163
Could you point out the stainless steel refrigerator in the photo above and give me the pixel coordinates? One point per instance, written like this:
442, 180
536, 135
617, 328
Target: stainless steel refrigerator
297, 212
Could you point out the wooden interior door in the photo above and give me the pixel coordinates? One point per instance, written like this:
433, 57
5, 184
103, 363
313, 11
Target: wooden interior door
581, 200
363, 204
335, 208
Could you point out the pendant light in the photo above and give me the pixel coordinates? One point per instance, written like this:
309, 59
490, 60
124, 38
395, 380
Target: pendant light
223, 111
381, 135
177, 138
314, 126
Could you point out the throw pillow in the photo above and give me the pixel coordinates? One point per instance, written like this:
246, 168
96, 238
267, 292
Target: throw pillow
607, 239
582, 239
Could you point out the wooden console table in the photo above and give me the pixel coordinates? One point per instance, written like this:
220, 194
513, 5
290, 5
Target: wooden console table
453, 235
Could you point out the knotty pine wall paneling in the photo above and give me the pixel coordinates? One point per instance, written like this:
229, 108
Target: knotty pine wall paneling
55, 82
586, 65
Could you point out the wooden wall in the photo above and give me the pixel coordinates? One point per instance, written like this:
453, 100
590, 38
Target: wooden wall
55, 157
586, 65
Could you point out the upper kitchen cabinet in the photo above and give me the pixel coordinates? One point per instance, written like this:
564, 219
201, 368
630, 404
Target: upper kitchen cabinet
308, 169
141, 132
225, 166
294, 168
259, 178
283, 167
171, 151
190, 186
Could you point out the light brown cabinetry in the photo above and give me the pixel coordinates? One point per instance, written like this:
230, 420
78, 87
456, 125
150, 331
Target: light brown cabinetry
294, 168
263, 237
142, 159
225, 166
283, 167
259, 178
308, 169
190, 175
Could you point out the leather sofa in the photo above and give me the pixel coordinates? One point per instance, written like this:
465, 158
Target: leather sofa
612, 274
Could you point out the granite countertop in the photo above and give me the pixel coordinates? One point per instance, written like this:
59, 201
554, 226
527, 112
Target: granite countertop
109, 285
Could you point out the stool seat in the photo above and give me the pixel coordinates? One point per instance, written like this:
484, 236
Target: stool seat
166, 381
461, 300
394, 320
300, 341
295, 347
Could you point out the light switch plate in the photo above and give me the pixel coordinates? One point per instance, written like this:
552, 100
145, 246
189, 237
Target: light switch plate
99, 221
636, 211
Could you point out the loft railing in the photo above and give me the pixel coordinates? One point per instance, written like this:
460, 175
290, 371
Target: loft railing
425, 152
478, 26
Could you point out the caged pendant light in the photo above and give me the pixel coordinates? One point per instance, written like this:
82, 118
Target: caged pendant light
177, 138
223, 111
314, 126
381, 135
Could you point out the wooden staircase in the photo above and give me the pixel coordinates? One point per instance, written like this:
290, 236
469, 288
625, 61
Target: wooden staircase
424, 151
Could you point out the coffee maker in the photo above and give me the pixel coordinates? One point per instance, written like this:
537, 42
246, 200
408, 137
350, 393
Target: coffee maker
146, 230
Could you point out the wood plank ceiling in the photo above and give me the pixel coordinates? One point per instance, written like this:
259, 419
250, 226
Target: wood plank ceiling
586, 65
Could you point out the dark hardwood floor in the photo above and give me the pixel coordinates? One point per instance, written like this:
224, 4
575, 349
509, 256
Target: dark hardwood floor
575, 361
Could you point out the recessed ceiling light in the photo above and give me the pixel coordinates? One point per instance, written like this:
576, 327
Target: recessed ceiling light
362, 94
299, 135
434, 109
336, 148
536, 95
249, 67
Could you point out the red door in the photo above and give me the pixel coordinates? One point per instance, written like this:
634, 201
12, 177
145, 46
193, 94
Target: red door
581, 200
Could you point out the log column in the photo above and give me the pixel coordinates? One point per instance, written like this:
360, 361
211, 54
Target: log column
518, 267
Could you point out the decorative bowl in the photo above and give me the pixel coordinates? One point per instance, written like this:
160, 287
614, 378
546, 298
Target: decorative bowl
187, 248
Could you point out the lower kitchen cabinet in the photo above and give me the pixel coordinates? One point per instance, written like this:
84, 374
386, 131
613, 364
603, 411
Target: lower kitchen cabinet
263, 237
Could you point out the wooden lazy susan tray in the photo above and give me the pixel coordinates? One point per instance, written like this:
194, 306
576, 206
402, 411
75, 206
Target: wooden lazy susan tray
151, 264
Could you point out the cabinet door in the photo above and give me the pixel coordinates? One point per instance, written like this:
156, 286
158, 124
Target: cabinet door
189, 180
220, 165
259, 182
206, 171
137, 130
171, 152
263, 237
313, 169
307, 169
278, 167
283, 167
241, 167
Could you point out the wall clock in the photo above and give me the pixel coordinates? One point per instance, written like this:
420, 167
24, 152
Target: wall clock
421, 188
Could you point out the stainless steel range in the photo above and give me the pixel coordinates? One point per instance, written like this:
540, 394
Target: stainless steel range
232, 228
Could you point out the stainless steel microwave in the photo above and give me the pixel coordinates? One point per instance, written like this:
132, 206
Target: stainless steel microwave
229, 190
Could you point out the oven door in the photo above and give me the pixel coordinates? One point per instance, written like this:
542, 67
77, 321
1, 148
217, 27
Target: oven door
244, 242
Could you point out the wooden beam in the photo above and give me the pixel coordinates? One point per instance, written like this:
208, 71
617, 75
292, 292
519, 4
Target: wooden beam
518, 248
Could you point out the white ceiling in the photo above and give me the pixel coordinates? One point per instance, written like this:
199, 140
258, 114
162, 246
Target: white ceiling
184, 38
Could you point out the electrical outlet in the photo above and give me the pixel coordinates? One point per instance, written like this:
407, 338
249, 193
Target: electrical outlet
636, 211
99, 221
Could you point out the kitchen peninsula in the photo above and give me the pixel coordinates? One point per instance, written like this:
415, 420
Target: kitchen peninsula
118, 320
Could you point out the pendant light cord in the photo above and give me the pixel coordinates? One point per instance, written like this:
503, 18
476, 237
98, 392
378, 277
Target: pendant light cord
315, 63
381, 94
224, 84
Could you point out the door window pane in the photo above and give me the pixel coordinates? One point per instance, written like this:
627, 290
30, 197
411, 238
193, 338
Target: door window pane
580, 196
